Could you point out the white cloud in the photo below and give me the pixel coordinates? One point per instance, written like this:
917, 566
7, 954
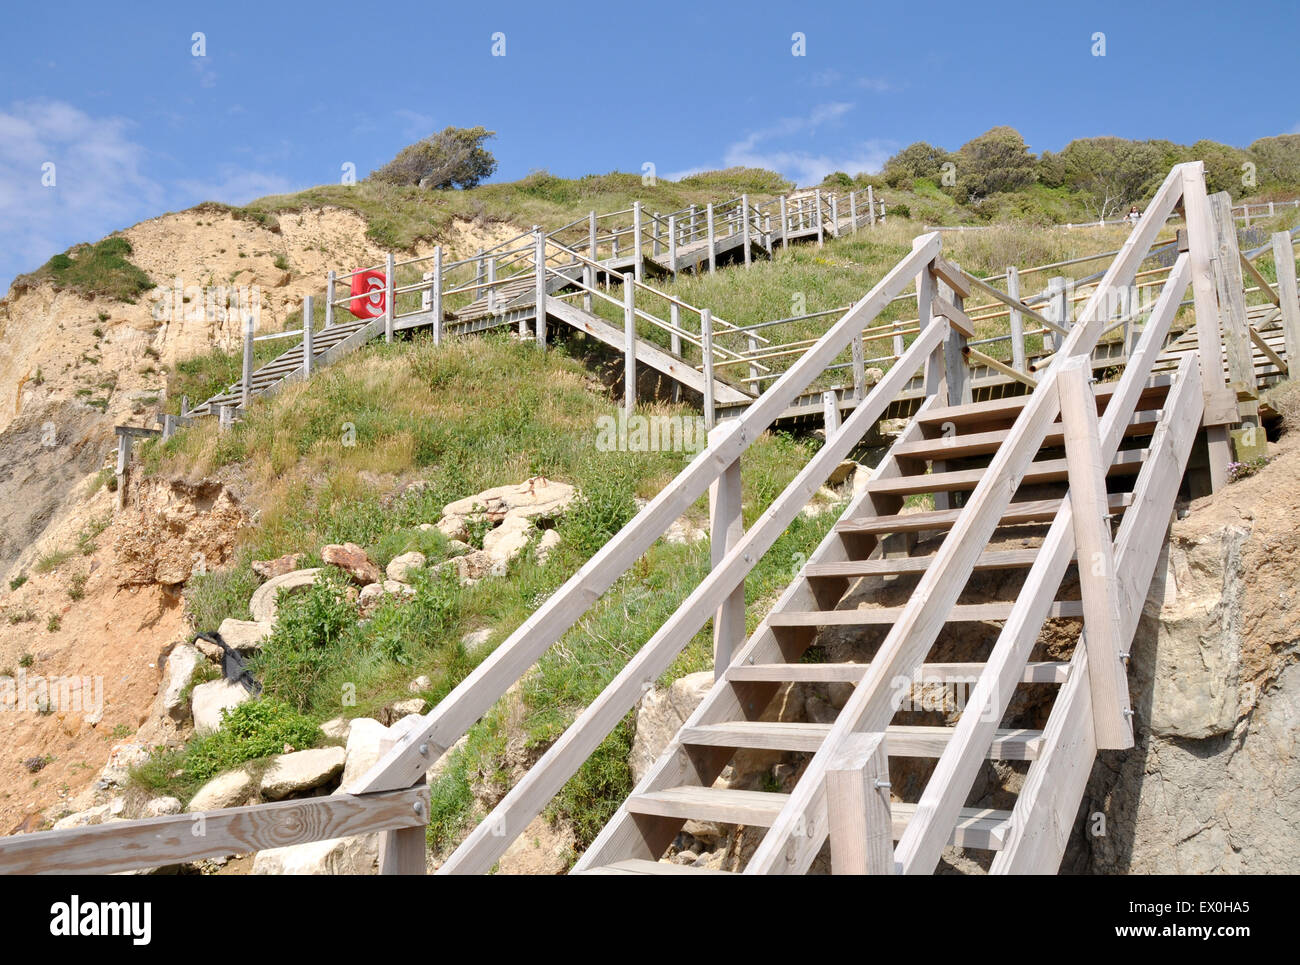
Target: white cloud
233, 185
99, 182
770, 148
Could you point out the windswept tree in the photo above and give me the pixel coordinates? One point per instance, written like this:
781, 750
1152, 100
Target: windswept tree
1107, 173
919, 160
1277, 161
453, 158
995, 162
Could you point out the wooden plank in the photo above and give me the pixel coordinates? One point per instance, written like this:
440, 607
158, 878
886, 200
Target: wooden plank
1232, 302
1220, 404
1025, 511
1016, 744
726, 527
889, 615
1278, 362
1095, 552
127, 845
953, 277
857, 803
1009, 408
1045, 470
956, 317
1265, 288
1284, 260
642, 866
977, 357
958, 446
1042, 672
992, 560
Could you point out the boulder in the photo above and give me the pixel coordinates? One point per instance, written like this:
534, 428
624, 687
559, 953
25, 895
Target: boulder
509, 539
210, 699
300, 771
100, 814
227, 790
401, 567
453, 527
352, 560
394, 588
161, 806
263, 603
404, 708
368, 741
369, 598
357, 855
121, 758
270, 569
474, 566
476, 638
661, 714
180, 666
246, 636
336, 728
535, 498
420, 683
550, 539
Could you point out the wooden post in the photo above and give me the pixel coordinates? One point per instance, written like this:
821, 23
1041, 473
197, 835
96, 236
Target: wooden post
246, 383
672, 244
1017, 323
853, 210
956, 371
123, 461
859, 369
426, 294
935, 383
767, 234
169, 427
871, 205
835, 215
817, 214
858, 806
1107, 675
1232, 308
1284, 260
706, 344
726, 529
390, 308
637, 268
329, 300
307, 335
225, 416
1220, 403
785, 225
744, 227
656, 246
713, 245
694, 223
899, 343
675, 342
1055, 310
479, 269
539, 269
401, 852
629, 345
831, 413
435, 292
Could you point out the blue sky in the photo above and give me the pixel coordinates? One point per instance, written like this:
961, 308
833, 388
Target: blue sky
286, 94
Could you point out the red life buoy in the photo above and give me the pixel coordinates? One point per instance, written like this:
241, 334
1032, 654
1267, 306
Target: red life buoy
370, 288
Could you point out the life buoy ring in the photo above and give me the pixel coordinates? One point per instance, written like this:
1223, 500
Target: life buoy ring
370, 290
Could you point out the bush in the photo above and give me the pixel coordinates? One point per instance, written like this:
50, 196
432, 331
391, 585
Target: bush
454, 158
216, 595
250, 731
601, 510
98, 269
308, 640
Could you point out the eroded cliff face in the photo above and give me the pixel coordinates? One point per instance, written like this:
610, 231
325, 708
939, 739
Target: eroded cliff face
1213, 784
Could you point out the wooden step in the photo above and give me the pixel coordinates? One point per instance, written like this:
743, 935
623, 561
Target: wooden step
990, 560
995, 410
1126, 462
961, 446
644, 866
976, 827
887, 616
1040, 672
900, 740
1026, 511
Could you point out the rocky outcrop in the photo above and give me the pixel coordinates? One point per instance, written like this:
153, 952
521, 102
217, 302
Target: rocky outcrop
264, 603
660, 715
174, 529
226, 790
352, 560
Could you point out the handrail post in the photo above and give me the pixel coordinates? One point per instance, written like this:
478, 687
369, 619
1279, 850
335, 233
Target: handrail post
706, 345
1284, 260
539, 267
329, 299
629, 345
1107, 674
1017, 322
835, 215
871, 205
853, 210
1056, 310
675, 342
656, 246
591, 236
726, 529
694, 223
821, 228
637, 269
713, 245
859, 369
246, 383
744, 227
785, 225
1232, 309
752, 343
672, 243
389, 297
767, 234
934, 380
435, 293
831, 413
857, 806
306, 335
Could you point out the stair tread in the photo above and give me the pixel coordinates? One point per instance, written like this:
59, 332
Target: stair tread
901, 740
976, 827
980, 443
1040, 471
1009, 406
1044, 671
1025, 511
988, 560
961, 613
644, 866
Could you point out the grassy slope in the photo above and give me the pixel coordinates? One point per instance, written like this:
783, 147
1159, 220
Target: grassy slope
475, 414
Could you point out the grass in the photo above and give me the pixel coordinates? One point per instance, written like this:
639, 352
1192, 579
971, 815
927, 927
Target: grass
103, 268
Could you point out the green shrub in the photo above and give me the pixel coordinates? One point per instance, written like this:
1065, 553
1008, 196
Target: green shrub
98, 269
217, 595
401, 627
18, 581
603, 508
308, 641
256, 729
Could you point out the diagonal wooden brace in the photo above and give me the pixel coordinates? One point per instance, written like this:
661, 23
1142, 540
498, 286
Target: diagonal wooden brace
1108, 678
